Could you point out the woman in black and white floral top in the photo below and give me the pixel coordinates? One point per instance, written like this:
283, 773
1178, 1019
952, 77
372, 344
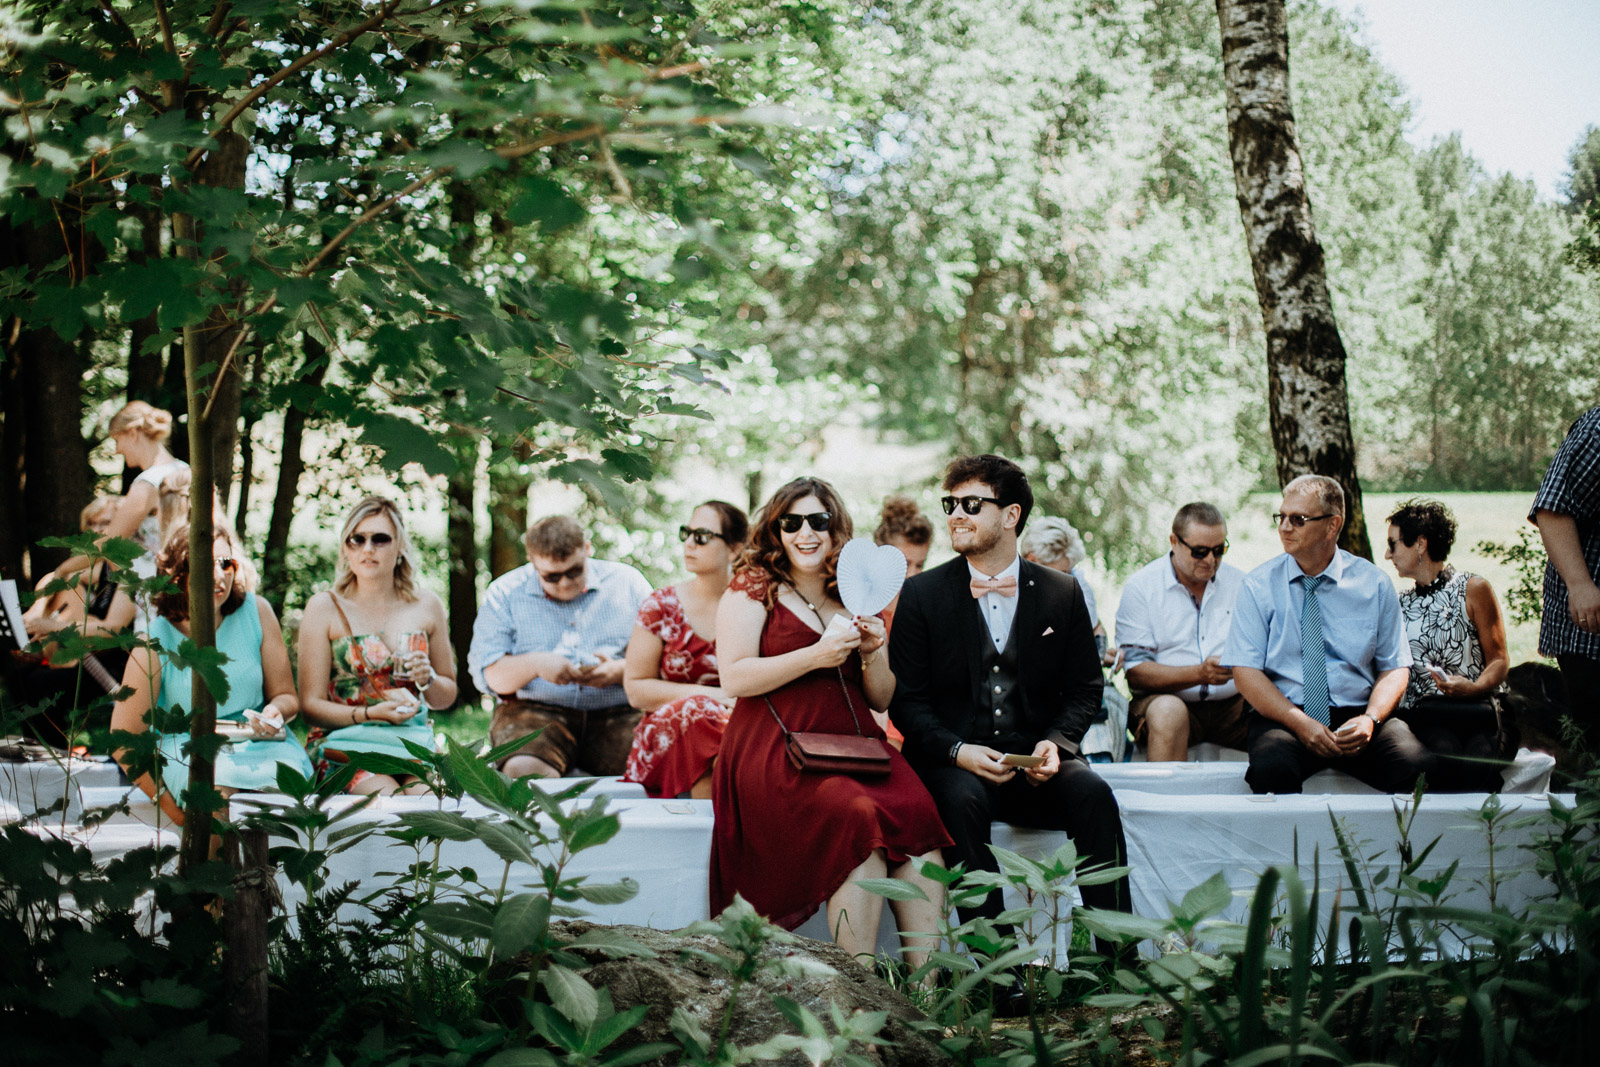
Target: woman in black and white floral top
1458, 650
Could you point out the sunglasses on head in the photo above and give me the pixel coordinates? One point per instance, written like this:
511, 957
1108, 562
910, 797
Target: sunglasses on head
571, 574
1202, 551
969, 504
817, 520
1298, 521
701, 535
359, 540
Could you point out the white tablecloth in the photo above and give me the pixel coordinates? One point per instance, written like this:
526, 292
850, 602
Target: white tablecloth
35, 786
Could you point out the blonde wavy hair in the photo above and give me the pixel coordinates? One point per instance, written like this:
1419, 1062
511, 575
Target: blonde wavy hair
145, 418
405, 565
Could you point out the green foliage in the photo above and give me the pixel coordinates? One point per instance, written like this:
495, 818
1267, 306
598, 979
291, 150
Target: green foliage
1526, 557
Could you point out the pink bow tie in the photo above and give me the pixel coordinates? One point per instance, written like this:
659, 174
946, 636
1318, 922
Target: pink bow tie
1006, 586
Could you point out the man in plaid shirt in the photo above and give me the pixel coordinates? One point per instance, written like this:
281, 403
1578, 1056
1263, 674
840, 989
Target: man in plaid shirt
1567, 512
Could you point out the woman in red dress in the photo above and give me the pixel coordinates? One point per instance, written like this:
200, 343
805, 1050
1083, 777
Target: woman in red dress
671, 670
788, 840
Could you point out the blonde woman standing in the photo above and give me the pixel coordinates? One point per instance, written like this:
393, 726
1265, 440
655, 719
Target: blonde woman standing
140, 433
375, 651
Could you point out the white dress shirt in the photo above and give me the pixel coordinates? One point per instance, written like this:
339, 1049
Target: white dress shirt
1158, 622
999, 611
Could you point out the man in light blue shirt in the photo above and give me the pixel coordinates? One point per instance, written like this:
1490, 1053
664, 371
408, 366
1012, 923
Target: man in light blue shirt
1319, 652
549, 640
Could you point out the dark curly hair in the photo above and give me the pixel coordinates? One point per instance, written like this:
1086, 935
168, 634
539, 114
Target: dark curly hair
1010, 485
173, 561
765, 551
1421, 517
903, 519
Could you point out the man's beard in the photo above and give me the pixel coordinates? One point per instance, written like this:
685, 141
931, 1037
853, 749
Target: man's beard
979, 543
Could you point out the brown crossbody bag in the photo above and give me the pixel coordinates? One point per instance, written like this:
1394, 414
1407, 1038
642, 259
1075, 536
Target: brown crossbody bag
854, 754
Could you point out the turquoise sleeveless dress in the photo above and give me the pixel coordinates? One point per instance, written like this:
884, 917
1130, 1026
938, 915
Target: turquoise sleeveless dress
247, 765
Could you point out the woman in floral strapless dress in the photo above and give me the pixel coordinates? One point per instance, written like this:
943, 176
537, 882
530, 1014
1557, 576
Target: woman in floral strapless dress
383, 646
671, 671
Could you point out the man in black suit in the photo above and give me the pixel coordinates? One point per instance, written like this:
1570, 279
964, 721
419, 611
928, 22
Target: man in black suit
994, 655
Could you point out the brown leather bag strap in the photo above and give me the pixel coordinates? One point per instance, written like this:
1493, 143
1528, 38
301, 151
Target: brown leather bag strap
348, 632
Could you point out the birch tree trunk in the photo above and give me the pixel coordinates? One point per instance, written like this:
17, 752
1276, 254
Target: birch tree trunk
1307, 400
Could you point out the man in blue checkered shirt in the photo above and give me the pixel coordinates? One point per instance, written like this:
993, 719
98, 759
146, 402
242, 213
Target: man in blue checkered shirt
549, 640
1567, 512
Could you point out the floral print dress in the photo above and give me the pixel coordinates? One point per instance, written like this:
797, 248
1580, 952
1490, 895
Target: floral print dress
674, 745
363, 669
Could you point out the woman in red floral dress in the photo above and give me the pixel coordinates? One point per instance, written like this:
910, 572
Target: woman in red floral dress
671, 670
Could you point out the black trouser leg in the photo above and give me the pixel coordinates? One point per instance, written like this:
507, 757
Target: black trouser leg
965, 808
1279, 763
1581, 675
1463, 762
1392, 761
1075, 800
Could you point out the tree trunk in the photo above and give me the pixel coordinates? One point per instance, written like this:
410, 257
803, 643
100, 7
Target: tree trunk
291, 464
224, 169
144, 368
250, 411
244, 923
13, 542
461, 534
1306, 396
55, 478
508, 519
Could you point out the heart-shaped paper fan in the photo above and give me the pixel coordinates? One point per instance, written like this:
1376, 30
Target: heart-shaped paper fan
870, 576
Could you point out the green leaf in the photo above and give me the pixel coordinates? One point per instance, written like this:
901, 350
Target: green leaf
402, 441
507, 842
521, 923
572, 996
891, 888
613, 893
522, 1057
1205, 900
207, 663
594, 830
547, 203
612, 942
449, 825
458, 918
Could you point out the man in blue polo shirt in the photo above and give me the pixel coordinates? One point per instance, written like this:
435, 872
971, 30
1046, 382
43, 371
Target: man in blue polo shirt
549, 640
1319, 652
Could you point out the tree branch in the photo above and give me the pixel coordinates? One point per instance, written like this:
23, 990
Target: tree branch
166, 25
244, 102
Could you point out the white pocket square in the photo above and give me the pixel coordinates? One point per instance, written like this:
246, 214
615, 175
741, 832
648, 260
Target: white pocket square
1048, 630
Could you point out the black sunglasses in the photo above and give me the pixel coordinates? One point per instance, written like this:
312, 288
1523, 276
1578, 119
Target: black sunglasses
969, 504
1202, 551
817, 520
1298, 521
571, 574
701, 535
359, 540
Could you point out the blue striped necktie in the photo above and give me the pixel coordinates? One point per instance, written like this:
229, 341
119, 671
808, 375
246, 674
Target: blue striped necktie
1313, 658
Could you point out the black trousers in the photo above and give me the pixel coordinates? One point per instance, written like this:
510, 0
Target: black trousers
1390, 763
1075, 800
1581, 674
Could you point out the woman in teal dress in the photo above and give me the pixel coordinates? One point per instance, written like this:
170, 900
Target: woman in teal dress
375, 652
258, 676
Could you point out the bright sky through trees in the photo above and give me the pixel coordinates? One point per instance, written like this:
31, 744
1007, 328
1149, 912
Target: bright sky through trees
1519, 80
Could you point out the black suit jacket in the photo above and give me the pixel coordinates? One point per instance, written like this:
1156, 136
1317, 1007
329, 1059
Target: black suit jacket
936, 649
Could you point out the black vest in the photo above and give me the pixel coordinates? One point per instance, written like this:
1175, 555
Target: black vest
1000, 698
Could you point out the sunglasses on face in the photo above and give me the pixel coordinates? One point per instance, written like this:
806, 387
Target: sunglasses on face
701, 535
571, 574
1202, 551
1298, 521
969, 504
359, 540
817, 520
